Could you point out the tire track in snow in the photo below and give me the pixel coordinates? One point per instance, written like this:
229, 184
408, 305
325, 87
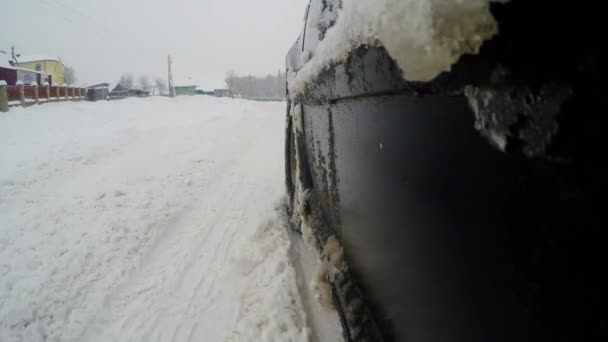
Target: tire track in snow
161, 253
197, 304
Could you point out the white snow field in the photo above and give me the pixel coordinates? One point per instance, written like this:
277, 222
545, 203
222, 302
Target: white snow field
145, 220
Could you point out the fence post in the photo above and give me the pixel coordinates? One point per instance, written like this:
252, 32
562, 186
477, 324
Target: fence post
3, 97
35, 85
47, 91
21, 93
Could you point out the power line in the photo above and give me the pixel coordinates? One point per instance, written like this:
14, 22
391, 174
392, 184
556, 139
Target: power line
92, 21
92, 26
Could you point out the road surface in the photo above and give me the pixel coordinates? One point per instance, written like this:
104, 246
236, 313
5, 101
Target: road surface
145, 220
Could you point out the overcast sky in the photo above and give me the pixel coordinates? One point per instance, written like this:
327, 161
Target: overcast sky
102, 39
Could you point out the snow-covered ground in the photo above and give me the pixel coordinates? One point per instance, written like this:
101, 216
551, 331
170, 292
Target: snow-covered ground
145, 220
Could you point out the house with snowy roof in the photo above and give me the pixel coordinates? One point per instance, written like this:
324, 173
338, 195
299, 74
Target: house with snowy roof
46, 64
12, 74
203, 85
121, 91
185, 89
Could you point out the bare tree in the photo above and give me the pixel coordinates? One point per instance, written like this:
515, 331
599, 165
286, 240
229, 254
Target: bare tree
69, 75
144, 83
161, 85
271, 86
126, 80
231, 80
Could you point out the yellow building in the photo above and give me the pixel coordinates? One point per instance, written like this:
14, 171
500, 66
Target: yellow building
50, 65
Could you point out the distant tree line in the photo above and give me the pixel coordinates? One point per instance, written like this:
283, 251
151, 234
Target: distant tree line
271, 86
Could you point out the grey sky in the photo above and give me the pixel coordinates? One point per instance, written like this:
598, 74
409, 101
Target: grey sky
104, 38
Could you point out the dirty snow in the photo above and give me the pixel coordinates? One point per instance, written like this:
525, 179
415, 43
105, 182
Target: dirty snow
424, 37
145, 220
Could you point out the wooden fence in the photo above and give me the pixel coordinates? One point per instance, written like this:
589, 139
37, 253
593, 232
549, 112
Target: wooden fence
27, 95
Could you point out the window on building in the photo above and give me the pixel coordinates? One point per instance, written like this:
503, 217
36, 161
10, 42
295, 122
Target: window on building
38, 67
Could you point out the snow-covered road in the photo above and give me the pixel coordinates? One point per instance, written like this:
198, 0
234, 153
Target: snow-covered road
145, 220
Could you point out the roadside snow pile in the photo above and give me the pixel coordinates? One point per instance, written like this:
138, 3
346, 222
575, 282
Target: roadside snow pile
268, 311
425, 37
137, 220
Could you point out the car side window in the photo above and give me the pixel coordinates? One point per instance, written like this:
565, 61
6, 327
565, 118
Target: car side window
305, 25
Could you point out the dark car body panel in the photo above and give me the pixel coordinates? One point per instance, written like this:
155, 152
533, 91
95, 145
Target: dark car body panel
450, 237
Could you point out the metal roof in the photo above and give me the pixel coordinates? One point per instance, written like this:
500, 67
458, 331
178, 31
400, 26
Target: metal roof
36, 58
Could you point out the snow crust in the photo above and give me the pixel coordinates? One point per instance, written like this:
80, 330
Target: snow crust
424, 37
145, 220
427, 37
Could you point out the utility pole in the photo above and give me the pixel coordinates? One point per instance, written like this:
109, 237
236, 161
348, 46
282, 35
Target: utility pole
14, 55
249, 86
170, 78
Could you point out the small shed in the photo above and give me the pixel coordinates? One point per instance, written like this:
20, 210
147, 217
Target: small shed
185, 90
120, 92
98, 92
